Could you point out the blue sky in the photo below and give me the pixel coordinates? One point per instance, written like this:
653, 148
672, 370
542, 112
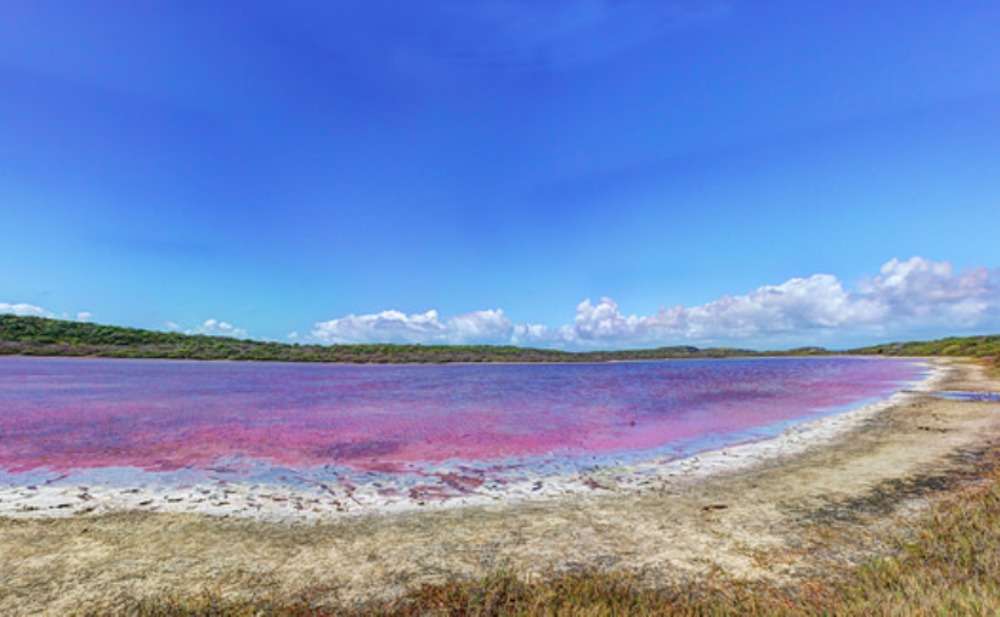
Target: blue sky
340, 169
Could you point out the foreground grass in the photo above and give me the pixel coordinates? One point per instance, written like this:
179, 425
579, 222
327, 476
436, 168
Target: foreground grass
946, 562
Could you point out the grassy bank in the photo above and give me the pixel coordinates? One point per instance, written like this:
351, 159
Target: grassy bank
945, 562
38, 336
964, 346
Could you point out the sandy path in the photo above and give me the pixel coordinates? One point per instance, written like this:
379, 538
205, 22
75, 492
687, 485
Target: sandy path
761, 521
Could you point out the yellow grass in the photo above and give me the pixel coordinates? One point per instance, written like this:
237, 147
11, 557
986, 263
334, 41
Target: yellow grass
946, 562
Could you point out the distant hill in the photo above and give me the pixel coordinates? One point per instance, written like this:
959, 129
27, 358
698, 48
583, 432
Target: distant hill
38, 336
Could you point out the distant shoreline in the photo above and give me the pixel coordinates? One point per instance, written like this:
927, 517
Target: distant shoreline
43, 337
777, 356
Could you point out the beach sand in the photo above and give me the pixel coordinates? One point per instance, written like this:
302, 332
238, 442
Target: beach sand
768, 509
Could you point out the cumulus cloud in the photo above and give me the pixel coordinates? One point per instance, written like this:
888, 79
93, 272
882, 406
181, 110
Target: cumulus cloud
905, 295
529, 335
24, 310
30, 310
932, 293
913, 294
427, 327
797, 305
480, 325
214, 327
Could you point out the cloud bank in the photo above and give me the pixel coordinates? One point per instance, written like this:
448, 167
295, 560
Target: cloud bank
214, 327
24, 309
906, 298
910, 295
479, 326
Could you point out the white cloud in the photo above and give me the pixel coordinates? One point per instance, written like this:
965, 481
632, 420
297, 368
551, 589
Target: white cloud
395, 326
912, 294
171, 325
30, 310
385, 326
797, 305
488, 325
529, 335
214, 327
931, 293
24, 310
905, 296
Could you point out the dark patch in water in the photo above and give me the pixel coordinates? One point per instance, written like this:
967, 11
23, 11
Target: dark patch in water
353, 450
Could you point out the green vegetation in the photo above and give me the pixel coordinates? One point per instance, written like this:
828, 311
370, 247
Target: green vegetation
968, 346
38, 336
943, 563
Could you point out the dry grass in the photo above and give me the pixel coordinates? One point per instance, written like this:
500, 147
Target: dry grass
946, 562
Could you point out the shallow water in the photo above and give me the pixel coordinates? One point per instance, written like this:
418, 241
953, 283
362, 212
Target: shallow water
969, 395
178, 418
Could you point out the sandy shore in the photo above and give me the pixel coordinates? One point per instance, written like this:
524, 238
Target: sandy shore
750, 510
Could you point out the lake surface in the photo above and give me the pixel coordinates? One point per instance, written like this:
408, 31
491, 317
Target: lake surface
67, 416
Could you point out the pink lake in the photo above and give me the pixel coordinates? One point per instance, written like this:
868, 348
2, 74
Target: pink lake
67, 416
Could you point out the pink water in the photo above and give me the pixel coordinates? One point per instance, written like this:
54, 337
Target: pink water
59, 415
